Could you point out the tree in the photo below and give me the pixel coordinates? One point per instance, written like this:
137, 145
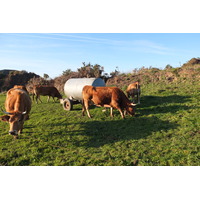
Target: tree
67, 72
98, 69
168, 67
115, 73
90, 70
46, 76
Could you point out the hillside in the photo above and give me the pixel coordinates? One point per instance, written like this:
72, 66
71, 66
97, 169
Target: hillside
188, 71
9, 78
6, 71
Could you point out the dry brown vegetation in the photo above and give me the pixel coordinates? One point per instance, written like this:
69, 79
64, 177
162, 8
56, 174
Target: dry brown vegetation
189, 70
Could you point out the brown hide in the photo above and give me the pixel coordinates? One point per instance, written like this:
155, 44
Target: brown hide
18, 106
107, 97
134, 90
49, 91
21, 87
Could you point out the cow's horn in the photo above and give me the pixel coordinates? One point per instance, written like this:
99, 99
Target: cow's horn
133, 104
8, 113
23, 113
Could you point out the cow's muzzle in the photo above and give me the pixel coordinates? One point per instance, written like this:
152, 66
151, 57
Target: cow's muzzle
14, 133
61, 101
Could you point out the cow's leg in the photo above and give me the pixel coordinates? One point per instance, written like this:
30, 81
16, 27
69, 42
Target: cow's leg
36, 98
138, 97
83, 108
33, 97
86, 107
48, 99
121, 111
125, 112
117, 106
122, 114
133, 98
87, 110
111, 111
39, 99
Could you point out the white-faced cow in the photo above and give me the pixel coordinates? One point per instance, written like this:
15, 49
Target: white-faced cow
49, 91
111, 97
18, 106
134, 90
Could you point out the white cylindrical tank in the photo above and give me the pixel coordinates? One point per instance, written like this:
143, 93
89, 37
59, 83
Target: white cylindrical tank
73, 87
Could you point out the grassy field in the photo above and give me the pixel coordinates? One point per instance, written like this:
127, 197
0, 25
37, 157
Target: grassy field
165, 132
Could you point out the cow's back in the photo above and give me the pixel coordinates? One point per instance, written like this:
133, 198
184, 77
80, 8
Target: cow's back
96, 92
17, 100
46, 90
41, 90
104, 95
21, 87
134, 85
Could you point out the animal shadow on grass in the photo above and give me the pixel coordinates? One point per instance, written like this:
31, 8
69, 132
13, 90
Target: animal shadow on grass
160, 104
159, 100
108, 132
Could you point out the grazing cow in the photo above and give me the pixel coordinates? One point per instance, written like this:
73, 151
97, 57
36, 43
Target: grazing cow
111, 97
132, 90
49, 91
18, 106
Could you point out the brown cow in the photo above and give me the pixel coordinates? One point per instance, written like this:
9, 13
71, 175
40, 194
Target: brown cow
111, 97
49, 91
132, 90
18, 106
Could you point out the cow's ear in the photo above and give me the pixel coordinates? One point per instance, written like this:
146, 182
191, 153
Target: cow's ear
5, 118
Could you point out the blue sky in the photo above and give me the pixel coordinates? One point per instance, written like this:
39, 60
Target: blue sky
52, 53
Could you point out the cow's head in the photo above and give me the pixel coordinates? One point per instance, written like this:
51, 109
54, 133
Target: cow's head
131, 109
59, 96
16, 121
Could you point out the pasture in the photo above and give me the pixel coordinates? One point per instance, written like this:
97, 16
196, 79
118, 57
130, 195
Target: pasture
164, 132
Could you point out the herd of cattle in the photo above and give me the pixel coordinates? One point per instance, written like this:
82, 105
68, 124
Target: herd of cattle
18, 102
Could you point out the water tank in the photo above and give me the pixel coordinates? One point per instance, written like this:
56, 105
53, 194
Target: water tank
73, 87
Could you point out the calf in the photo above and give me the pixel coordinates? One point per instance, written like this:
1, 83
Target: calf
111, 97
134, 90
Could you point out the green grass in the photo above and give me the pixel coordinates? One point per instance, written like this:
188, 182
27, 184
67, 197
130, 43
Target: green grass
165, 131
